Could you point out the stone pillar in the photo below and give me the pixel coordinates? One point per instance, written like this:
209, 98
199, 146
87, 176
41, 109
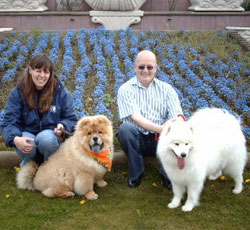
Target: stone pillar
23, 5
116, 20
216, 5
116, 14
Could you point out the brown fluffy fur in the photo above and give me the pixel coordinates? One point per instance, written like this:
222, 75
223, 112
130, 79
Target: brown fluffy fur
70, 170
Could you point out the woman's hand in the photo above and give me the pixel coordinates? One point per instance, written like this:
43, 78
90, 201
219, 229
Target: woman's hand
58, 130
22, 143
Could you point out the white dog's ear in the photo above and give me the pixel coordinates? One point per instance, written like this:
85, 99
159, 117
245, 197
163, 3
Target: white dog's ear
166, 129
191, 128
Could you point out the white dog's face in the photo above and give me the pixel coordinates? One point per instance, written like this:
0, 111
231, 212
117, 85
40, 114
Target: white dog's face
181, 148
179, 141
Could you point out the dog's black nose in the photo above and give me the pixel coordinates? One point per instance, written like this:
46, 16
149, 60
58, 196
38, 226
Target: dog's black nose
95, 139
183, 155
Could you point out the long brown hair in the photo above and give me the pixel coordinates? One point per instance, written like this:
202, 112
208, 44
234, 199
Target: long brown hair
40, 61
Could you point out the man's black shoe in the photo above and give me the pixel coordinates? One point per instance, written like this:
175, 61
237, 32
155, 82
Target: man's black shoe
136, 182
166, 183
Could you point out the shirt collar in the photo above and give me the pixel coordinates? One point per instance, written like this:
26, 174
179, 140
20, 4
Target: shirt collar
136, 82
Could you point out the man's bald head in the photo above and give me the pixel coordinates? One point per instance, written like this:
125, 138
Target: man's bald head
147, 54
145, 67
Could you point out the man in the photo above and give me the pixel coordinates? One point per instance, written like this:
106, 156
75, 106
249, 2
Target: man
145, 104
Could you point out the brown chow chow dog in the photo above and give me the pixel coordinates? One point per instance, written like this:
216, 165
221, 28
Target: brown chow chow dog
80, 162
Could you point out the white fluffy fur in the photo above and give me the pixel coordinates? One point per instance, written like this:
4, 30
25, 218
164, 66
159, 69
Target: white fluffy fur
26, 175
210, 143
71, 170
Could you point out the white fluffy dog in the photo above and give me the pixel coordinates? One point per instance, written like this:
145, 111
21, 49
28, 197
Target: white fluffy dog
209, 143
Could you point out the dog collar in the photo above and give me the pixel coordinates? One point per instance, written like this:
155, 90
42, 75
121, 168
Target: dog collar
182, 116
103, 158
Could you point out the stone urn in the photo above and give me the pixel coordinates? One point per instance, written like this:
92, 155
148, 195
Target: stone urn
116, 14
115, 5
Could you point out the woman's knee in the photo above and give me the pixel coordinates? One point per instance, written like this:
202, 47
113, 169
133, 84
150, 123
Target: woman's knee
47, 140
27, 156
32, 153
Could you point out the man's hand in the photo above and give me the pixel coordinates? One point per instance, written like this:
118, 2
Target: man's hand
145, 123
179, 118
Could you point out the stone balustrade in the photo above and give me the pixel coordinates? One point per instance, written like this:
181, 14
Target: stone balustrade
23, 5
216, 5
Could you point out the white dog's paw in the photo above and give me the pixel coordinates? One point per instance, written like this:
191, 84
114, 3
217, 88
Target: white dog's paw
237, 190
101, 183
173, 205
187, 208
215, 176
211, 177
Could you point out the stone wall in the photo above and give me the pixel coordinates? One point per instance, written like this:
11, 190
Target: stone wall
159, 21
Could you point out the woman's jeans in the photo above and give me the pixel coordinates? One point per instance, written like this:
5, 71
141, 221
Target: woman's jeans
137, 145
45, 143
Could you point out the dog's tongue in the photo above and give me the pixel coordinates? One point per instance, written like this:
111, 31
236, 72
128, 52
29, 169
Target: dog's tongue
96, 149
180, 162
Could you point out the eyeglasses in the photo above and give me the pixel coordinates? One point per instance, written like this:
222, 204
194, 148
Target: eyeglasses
142, 67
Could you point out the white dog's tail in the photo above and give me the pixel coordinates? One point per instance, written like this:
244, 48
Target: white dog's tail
26, 175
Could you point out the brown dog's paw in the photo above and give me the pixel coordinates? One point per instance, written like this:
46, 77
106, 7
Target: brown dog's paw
66, 194
101, 183
91, 195
56, 192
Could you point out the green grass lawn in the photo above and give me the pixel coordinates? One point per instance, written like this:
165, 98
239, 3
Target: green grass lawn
120, 207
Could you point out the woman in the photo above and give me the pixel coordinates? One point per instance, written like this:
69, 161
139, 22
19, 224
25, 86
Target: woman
37, 111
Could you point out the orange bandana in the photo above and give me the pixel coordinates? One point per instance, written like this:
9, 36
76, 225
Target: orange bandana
102, 158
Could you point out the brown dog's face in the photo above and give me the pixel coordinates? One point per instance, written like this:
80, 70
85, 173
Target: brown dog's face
95, 133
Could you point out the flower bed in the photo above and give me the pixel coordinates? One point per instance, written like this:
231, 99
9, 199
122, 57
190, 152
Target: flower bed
94, 63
